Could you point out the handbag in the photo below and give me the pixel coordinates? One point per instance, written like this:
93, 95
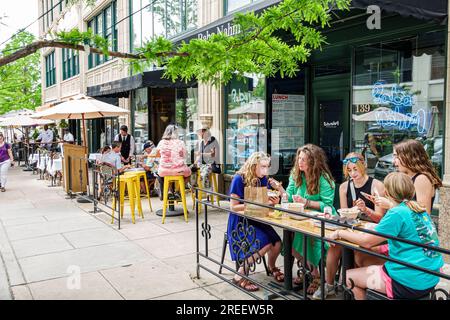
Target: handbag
215, 168
256, 194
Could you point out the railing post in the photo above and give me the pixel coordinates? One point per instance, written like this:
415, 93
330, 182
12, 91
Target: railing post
287, 258
322, 260
197, 233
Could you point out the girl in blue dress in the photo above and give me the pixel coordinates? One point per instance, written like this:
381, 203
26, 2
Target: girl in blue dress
260, 238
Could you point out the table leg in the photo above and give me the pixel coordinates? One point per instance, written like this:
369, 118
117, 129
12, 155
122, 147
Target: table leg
287, 243
348, 259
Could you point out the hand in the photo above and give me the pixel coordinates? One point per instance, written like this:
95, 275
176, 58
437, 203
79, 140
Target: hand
274, 200
275, 184
213, 153
299, 199
334, 236
123, 159
383, 202
361, 205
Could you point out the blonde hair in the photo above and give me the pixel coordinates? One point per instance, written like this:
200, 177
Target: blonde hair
248, 170
361, 164
317, 164
413, 156
400, 188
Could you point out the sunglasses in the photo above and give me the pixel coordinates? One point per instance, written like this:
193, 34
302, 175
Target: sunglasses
352, 160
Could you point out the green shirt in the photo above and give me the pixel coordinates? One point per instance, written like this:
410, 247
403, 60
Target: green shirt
325, 196
402, 222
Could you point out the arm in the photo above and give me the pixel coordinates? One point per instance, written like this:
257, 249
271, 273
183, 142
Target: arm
364, 240
11, 157
236, 205
291, 189
343, 195
424, 192
132, 145
326, 193
379, 212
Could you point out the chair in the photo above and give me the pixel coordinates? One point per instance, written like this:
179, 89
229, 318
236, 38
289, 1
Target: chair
213, 179
132, 185
224, 251
166, 202
139, 175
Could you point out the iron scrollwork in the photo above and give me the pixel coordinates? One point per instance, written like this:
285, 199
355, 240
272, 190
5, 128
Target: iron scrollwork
245, 245
206, 230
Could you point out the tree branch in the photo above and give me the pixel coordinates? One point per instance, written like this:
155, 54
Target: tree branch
35, 46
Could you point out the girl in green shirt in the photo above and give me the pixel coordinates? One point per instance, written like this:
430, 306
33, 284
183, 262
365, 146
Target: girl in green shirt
311, 183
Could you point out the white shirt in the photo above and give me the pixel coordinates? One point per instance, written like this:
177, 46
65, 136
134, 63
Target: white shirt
113, 159
132, 144
68, 137
46, 137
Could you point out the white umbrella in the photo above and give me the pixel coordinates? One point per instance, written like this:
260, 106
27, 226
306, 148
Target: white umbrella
81, 107
255, 107
382, 114
23, 121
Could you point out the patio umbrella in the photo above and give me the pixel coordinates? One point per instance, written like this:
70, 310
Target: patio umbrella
23, 121
382, 114
81, 107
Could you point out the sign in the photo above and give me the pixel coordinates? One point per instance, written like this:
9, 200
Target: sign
229, 29
288, 116
331, 125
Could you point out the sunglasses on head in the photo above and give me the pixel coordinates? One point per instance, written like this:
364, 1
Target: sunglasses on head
352, 160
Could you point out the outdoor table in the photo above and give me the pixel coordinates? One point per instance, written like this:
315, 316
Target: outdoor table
306, 227
95, 156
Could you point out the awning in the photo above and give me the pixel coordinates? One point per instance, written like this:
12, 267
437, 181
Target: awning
435, 10
121, 88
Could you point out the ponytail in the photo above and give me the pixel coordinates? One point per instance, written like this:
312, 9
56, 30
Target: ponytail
415, 206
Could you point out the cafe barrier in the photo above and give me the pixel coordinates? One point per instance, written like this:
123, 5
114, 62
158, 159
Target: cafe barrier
245, 242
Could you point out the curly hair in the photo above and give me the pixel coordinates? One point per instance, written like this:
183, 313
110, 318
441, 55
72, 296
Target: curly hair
248, 170
413, 156
317, 164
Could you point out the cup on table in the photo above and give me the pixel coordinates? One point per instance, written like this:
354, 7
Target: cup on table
297, 198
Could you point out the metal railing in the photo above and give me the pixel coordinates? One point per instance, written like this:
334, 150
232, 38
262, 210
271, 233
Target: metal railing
286, 292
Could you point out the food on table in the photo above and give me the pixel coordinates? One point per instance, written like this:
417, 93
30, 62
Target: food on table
273, 193
349, 213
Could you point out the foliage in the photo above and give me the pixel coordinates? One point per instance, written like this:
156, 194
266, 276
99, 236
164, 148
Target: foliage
63, 124
20, 84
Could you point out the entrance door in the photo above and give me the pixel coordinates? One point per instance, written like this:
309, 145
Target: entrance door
331, 136
162, 111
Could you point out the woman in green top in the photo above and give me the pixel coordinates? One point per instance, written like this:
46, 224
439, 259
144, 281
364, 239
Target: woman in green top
311, 183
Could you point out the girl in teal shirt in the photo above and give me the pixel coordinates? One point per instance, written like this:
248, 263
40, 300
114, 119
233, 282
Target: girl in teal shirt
311, 183
407, 220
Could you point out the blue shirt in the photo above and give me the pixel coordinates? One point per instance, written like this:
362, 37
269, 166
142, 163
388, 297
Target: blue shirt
404, 223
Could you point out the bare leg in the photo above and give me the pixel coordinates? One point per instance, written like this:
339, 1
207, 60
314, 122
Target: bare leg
365, 260
363, 278
273, 254
333, 256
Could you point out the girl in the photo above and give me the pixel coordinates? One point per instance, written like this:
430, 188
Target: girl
312, 184
411, 158
351, 193
253, 173
408, 220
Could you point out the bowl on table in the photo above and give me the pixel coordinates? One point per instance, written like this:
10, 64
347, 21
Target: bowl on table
349, 213
298, 207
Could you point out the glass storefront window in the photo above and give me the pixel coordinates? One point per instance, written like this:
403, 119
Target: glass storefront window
232, 5
139, 103
246, 120
173, 18
186, 116
398, 94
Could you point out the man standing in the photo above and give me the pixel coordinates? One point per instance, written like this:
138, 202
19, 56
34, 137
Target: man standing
46, 138
127, 142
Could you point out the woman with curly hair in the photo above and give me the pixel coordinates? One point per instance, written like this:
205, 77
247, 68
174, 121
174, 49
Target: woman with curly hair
411, 158
263, 237
312, 184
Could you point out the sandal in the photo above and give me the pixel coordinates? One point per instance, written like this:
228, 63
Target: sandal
246, 284
313, 286
277, 274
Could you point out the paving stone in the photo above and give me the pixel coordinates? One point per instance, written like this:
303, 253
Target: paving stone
93, 237
41, 245
21, 293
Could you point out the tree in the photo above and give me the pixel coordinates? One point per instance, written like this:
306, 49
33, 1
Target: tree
20, 84
257, 48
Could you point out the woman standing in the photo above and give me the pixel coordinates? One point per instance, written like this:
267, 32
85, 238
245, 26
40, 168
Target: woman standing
312, 184
407, 220
264, 239
411, 159
6, 161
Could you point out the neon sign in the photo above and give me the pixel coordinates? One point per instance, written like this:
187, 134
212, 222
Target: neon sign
400, 101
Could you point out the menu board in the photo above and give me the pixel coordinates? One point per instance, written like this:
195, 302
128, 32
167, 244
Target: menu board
288, 116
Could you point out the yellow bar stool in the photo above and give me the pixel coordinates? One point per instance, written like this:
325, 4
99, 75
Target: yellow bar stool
139, 175
213, 179
166, 202
130, 183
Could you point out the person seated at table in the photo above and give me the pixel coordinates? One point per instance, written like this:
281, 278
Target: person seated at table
351, 194
312, 184
254, 170
409, 220
103, 151
171, 152
114, 158
149, 163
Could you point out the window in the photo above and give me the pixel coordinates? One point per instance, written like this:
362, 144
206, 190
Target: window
396, 97
139, 104
167, 18
246, 120
70, 63
232, 5
105, 25
186, 116
50, 70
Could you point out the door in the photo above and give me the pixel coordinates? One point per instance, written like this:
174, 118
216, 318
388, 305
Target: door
331, 134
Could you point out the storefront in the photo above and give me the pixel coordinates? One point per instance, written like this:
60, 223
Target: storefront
362, 93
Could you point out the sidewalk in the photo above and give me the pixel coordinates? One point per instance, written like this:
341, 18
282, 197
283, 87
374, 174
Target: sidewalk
54, 248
